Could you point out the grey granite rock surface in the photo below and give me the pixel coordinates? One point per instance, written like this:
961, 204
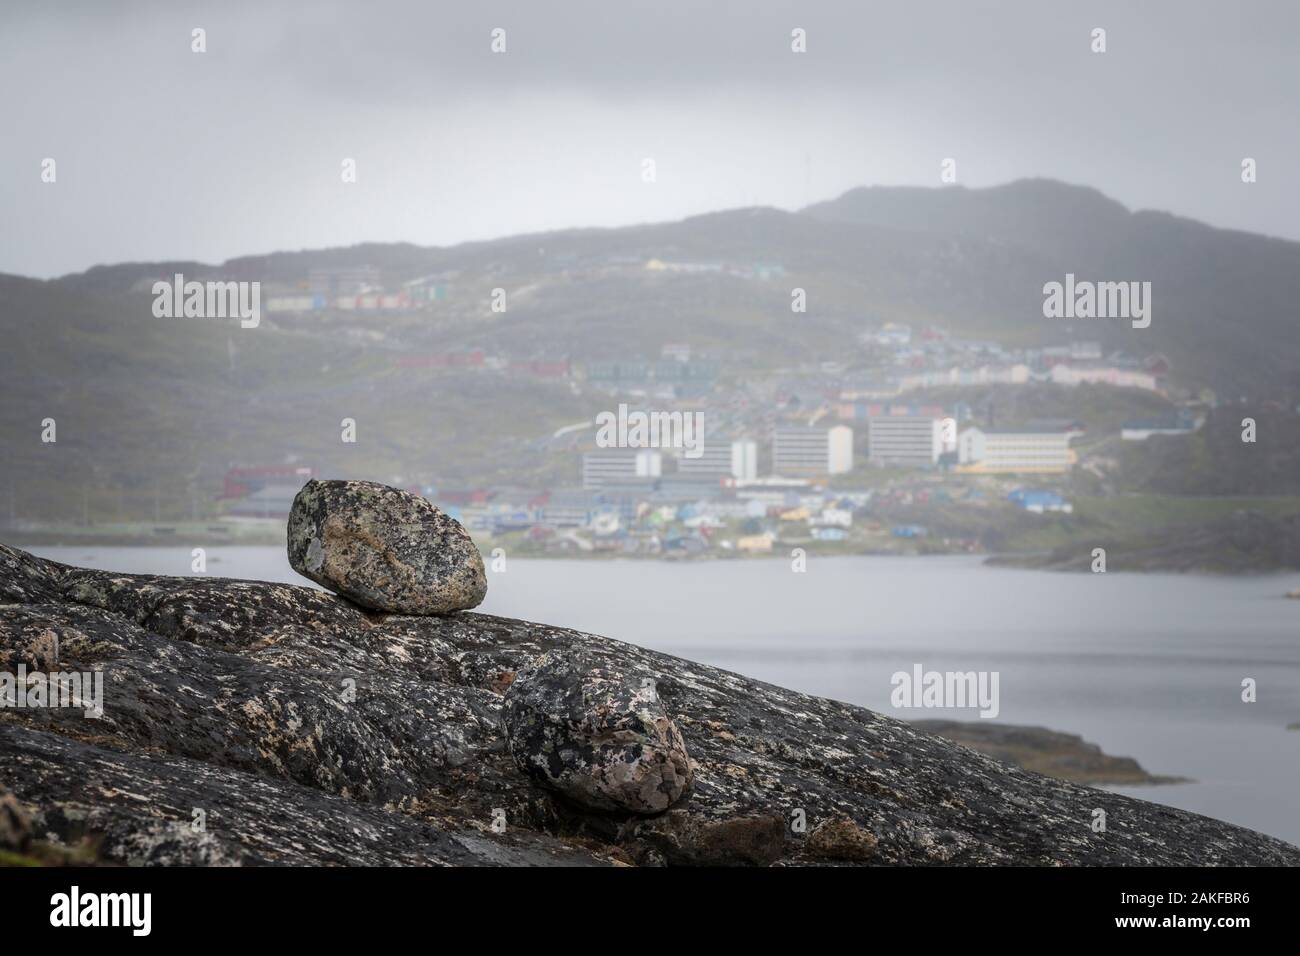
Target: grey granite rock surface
596, 734
314, 732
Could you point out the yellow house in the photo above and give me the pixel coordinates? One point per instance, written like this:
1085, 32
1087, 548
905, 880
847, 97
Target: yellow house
755, 542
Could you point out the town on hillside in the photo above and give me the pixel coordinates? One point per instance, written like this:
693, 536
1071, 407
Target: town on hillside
907, 442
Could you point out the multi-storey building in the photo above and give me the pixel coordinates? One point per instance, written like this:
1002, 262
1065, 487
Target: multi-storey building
915, 440
812, 450
1011, 451
601, 466
722, 459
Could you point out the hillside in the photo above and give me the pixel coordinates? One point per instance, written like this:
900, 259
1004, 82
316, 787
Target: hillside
151, 412
1225, 301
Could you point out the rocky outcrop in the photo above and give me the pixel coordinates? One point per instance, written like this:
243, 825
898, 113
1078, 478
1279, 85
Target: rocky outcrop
596, 734
307, 730
385, 549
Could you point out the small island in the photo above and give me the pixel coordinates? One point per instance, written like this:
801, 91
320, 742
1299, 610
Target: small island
1049, 752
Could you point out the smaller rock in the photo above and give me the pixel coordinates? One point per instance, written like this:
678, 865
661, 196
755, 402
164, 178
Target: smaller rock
384, 548
15, 824
596, 734
839, 838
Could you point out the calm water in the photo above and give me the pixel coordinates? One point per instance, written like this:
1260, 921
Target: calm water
1148, 666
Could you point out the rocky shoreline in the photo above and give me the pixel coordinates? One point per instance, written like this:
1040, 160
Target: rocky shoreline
253, 723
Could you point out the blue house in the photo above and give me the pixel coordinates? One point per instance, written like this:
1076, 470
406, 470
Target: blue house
1039, 501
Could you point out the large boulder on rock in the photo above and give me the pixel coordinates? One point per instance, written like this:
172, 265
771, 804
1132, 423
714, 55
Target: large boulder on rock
596, 733
384, 548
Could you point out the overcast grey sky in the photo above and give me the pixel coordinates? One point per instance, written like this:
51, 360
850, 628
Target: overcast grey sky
166, 154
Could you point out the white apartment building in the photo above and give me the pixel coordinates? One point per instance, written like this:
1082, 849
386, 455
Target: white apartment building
744, 459
1011, 451
812, 450
723, 459
598, 467
915, 440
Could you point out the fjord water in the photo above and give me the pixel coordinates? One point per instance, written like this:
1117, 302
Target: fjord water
1146, 665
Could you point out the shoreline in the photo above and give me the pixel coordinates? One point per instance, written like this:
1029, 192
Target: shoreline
1037, 560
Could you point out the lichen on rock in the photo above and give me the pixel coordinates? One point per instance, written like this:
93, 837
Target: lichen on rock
384, 548
839, 838
679, 838
15, 823
597, 734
